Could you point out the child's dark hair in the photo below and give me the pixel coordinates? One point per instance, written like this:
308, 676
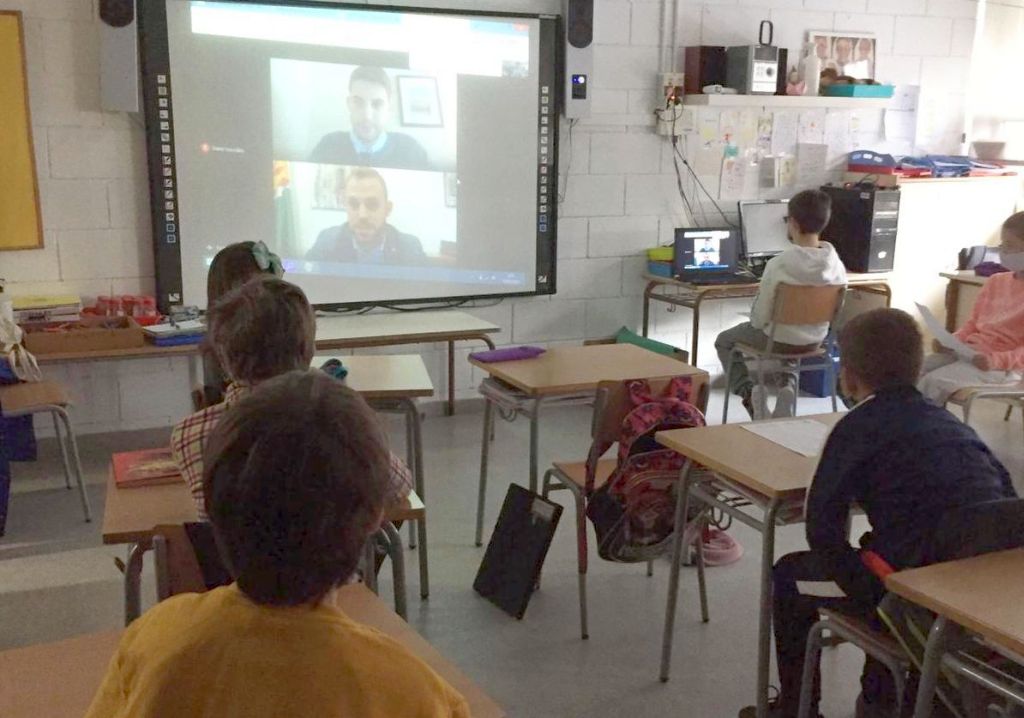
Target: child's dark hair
295, 481
261, 329
232, 267
883, 348
811, 210
1014, 224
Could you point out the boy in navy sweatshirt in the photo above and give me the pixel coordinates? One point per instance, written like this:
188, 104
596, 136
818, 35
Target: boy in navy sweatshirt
905, 462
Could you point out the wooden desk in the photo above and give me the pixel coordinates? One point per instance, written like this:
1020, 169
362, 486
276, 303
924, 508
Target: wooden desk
980, 595
34, 685
338, 332
961, 293
562, 374
771, 477
684, 294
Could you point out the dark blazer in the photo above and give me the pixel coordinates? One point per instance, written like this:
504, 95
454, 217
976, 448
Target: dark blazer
337, 244
399, 152
904, 461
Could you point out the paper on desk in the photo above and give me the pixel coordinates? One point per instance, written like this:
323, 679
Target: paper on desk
803, 436
943, 337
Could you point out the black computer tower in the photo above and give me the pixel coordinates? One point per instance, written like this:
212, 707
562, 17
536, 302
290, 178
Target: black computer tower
863, 227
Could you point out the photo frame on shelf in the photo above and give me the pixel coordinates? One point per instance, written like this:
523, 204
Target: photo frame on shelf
849, 53
419, 101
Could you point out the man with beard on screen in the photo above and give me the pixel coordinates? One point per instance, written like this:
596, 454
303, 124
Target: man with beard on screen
366, 238
369, 142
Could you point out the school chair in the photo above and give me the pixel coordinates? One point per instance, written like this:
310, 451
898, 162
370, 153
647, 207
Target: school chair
964, 532
795, 305
1012, 395
49, 397
611, 405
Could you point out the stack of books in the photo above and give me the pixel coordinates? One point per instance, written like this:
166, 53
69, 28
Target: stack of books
43, 311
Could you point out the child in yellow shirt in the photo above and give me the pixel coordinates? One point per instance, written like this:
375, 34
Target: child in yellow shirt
295, 480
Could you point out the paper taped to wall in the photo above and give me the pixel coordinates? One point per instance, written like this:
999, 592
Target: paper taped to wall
943, 337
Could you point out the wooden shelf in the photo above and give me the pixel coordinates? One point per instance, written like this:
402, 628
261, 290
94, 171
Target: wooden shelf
785, 101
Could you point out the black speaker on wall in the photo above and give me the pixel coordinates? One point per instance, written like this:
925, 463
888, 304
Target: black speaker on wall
578, 20
579, 23
119, 56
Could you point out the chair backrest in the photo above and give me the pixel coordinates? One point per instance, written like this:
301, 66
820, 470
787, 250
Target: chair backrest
798, 304
186, 560
612, 403
975, 530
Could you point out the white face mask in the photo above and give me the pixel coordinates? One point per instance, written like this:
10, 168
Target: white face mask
1014, 262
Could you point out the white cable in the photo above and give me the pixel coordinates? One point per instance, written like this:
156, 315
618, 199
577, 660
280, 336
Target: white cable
664, 35
675, 34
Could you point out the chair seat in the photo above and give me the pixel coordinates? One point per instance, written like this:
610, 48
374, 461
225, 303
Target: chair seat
30, 397
747, 349
961, 396
576, 471
863, 634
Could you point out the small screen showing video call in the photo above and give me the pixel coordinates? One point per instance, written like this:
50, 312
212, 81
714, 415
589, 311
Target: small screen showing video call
707, 249
385, 155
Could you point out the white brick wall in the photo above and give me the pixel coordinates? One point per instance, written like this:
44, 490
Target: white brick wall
620, 198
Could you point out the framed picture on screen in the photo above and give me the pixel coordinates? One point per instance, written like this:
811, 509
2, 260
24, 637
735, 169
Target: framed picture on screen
419, 101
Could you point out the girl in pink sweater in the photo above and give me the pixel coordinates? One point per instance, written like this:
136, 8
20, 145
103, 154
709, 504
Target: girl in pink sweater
995, 329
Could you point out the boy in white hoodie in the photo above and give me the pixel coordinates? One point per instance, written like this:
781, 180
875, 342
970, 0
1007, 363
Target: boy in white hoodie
809, 262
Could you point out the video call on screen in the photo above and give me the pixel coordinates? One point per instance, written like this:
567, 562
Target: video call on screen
379, 153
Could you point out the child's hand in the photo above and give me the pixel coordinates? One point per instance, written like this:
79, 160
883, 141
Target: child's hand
982, 362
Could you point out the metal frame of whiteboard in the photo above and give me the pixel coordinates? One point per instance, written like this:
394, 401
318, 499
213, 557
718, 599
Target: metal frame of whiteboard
154, 56
743, 226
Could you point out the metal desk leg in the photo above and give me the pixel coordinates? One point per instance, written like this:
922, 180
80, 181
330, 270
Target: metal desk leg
930, 668
450, 409
679, 524
485, 446
695, 340
397, 556
410, 461
764, 638
133, 583
421, 526
648, 290
534, 444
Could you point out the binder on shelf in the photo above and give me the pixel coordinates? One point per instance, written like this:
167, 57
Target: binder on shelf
516, 552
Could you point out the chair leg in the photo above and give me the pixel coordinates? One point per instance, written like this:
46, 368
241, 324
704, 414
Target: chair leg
482, 490
581, 559
1009, 412
967, 410
63, 451
650, 569
811, 661
833, 381
702, 585
77, 462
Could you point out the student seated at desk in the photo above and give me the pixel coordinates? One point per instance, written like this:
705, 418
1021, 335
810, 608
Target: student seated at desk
905, 462
295, 483
995, 329
262, 329
232, 267
809, 262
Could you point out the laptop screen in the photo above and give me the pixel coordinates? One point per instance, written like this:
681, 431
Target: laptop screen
699, 251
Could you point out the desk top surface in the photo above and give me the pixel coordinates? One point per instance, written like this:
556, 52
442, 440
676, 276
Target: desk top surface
569, 370
751, 288
982, 594
32, 685
387, 376
754, 462
965, 276
409, 327
130, 515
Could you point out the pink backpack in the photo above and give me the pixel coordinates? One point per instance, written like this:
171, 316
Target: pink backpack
633, 512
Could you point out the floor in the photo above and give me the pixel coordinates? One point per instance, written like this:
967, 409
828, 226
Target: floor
58, 580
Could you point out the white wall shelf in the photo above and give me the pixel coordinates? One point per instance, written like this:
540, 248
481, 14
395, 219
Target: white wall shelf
786, 101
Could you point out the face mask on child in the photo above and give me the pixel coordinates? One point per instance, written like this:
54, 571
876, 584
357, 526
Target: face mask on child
1014, 262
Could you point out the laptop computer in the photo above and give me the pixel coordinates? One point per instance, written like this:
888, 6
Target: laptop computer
708, 256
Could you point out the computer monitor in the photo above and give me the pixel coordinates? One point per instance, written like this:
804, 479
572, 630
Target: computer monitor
765, 233
700, 250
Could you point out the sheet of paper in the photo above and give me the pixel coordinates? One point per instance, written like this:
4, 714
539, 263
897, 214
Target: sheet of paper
787, 171
784, 133
707, 126
747, 132
900, 125
905, 97
688, 120
733, 179
943, 337
704, 157
728, 125
811, 161
838, 138
765, 122
802, 436
811, 127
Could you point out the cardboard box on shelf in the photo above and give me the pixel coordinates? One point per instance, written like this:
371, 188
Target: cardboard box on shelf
89, 334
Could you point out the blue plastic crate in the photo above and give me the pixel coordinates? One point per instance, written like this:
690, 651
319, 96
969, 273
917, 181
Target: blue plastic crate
813, 377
